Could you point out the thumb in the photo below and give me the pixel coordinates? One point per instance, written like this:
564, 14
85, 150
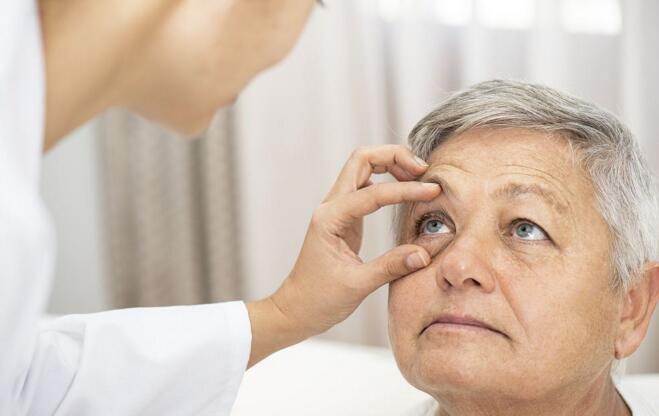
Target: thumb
396, 263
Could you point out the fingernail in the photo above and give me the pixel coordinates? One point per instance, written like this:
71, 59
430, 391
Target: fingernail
430, 185
416, 261
420, 161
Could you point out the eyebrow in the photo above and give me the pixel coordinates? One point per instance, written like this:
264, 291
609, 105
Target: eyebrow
514, 190
511, 190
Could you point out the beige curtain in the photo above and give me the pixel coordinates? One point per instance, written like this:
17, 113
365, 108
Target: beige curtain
169, 203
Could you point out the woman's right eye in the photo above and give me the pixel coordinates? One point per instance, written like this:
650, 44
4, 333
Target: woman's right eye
433, 226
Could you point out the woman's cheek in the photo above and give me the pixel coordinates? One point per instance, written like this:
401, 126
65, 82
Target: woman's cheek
434, 244
409, 294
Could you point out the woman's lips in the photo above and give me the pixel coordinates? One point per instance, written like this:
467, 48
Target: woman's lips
464, 322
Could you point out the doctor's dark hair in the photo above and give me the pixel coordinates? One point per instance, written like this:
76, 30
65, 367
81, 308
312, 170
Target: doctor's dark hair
623, 183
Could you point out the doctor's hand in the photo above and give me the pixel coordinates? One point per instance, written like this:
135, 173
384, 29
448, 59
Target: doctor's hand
329, 279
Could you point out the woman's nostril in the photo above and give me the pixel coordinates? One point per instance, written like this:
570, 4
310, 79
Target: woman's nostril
472, 282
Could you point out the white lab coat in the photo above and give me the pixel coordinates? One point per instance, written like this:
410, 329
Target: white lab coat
150, 361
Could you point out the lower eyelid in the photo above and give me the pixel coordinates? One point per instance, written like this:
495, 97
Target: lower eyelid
422, 234
546, 240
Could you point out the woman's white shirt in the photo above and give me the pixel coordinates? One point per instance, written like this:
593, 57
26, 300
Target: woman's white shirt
150, 361
641, 393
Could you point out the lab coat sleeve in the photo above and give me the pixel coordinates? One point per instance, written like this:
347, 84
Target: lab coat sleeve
184, 360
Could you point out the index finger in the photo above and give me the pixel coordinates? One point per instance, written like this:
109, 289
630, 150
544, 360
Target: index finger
365, 201
398, 160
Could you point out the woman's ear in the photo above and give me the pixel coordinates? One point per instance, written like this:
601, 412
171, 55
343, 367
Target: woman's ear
639, 303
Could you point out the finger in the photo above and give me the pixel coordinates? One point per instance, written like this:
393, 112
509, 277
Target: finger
398, 173
376, 159
401, 174
368, 200
394, 264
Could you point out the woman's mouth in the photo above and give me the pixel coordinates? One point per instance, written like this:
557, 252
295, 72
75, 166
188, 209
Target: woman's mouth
455, 322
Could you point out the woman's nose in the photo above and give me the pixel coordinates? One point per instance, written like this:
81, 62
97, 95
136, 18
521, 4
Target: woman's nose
463, 265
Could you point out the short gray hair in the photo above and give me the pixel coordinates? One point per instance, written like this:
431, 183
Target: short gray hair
623, 182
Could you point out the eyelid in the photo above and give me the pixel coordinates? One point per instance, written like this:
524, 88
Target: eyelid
443, 216
435, 214
517, 221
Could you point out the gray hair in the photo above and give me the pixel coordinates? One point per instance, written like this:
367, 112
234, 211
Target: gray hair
623, 183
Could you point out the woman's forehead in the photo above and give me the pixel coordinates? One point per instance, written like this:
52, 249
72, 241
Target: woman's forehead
512, 163
491, 152
483, 149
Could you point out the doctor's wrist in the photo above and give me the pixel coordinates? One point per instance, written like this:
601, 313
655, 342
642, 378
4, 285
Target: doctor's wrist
272, 329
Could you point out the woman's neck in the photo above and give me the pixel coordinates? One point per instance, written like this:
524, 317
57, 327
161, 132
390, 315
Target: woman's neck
600, 398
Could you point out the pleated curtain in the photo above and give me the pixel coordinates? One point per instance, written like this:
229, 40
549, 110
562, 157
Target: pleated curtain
170, 212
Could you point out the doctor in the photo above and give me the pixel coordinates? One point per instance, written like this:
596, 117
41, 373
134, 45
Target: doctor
174, 61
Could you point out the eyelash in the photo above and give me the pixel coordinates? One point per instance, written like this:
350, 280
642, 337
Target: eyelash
442, 216
437, 215
518, 221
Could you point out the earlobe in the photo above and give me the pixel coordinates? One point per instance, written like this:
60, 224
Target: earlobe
639, 305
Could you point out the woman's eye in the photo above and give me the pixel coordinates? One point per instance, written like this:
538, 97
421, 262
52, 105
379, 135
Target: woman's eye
529, 231
433, 226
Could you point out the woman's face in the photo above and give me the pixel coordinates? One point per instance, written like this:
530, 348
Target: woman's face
517, 243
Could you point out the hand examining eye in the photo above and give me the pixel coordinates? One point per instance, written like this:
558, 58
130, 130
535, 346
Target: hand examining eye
329, 279
329, 260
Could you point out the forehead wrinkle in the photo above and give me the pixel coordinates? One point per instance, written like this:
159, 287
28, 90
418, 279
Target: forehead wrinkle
508, 191
543, 174
514, 190
434, 175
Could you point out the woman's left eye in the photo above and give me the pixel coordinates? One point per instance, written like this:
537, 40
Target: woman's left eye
528, 231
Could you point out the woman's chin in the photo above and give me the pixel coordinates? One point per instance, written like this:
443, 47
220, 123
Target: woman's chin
190, 128
451, 370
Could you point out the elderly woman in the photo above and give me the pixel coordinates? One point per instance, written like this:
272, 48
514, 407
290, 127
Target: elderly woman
543, 243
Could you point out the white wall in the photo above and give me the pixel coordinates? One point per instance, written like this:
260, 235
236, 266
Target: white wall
70, 189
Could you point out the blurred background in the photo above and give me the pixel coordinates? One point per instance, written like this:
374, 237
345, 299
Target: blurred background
145, 218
